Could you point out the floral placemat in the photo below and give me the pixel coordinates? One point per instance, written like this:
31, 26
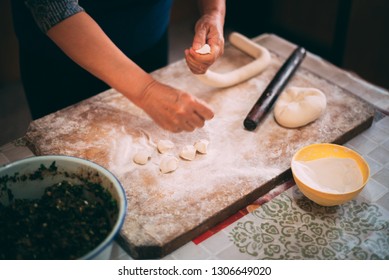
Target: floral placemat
293, 227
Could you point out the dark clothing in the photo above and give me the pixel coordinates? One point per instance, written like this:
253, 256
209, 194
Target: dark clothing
53, 81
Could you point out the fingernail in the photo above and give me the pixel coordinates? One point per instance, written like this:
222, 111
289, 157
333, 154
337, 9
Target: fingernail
196, 46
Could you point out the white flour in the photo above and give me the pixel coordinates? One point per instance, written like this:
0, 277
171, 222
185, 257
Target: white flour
332, 175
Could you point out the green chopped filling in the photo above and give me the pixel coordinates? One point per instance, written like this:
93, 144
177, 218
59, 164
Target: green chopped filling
67, 222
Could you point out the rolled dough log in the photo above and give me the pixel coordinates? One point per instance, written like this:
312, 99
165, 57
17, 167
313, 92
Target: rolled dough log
299, 106
262, 60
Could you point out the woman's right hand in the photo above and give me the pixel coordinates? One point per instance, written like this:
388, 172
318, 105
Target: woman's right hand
172, 109
82, 39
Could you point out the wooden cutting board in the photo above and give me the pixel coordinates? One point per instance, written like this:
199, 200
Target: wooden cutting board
166, 211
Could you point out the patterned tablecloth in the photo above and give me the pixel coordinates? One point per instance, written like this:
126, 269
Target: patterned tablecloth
293, 227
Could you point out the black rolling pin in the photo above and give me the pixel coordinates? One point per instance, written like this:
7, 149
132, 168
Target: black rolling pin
275, 87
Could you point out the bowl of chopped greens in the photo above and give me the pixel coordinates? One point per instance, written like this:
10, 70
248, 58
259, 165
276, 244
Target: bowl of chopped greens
59, 207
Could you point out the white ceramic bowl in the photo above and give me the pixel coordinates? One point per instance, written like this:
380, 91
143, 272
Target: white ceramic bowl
17, 177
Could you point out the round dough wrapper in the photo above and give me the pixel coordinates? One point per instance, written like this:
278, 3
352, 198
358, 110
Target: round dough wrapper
298, 106
165, 146
168, 164
188, 152
142, 157
202, 146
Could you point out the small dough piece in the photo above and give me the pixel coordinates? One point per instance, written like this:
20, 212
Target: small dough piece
299, 106
188, 152
206, 49
168, 164
165, 146
202, 146
142, 157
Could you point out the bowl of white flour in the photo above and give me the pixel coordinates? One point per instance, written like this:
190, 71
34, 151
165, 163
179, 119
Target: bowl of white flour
329, 174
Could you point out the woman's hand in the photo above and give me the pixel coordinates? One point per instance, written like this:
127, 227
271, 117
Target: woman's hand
208, 30
172, 109
80, 37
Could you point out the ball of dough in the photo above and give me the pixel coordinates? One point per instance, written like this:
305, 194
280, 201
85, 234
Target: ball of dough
205, 49
299, 106
142, 157
168, 164
188, 152
165, 146
202, 146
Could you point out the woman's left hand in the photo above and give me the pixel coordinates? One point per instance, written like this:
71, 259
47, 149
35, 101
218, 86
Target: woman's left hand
208, 30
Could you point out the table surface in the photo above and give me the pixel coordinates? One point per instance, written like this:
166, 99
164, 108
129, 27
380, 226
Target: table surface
283, 224
165, 211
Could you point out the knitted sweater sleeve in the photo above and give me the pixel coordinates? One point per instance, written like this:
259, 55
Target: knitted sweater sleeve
48, 13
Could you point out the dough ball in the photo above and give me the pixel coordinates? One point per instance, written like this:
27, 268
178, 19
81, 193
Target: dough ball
142, 157
299, 106
188, 152
206, 49
165, 146
168, 164
202, 146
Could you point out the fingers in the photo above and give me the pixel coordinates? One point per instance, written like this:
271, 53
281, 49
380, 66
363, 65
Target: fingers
199, 63
203, 111
191, 113
174, 110
205, 33
200, 38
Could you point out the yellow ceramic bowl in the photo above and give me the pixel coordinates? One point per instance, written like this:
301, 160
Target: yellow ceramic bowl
326, 150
